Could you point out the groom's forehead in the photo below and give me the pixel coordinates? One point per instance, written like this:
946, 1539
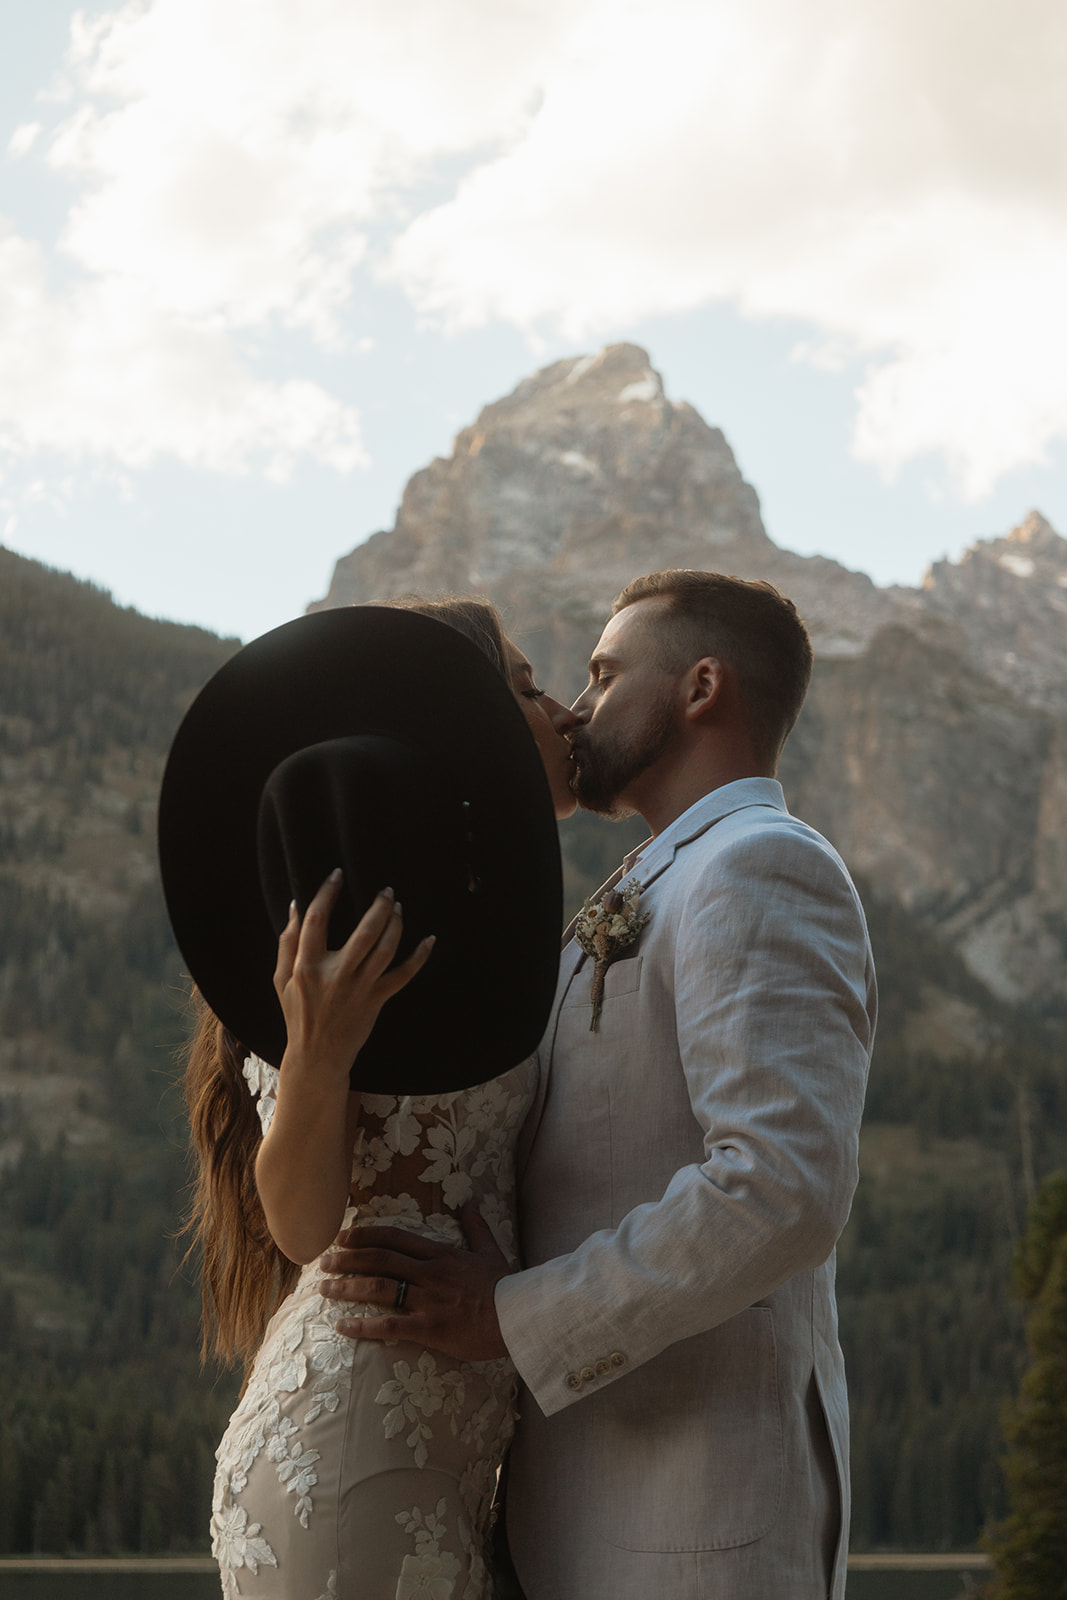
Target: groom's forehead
629, 633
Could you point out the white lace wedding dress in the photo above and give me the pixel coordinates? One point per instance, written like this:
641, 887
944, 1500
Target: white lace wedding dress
366, 1471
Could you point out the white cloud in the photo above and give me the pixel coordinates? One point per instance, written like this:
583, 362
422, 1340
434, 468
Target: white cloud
235, 151
98, 374
23, 139
228, 157
893, 173
890, 173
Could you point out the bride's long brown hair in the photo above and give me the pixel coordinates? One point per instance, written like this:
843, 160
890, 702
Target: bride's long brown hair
244, 1275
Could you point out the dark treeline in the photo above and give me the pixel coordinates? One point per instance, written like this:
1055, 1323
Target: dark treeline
107, 1425
932, 1335
1029, 1549
81, 674
106, 989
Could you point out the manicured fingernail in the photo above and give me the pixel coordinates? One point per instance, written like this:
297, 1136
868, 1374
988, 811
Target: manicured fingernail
430, 940
335, 876
398, 908
292, 910
387, 892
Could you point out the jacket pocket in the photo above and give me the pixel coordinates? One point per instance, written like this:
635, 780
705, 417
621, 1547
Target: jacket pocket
622, 977
688, 1448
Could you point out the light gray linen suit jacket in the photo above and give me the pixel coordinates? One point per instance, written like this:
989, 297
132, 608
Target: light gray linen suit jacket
683, 1178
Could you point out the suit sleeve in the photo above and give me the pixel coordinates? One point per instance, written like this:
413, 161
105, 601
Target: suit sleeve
774, 1016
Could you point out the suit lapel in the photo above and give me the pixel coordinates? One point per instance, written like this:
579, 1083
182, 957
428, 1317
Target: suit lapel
572, 959
605, 888
720, 803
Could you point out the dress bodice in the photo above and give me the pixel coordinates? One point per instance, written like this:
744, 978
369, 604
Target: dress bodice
419, 1158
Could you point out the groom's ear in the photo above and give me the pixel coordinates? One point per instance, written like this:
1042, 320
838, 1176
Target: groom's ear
702, 687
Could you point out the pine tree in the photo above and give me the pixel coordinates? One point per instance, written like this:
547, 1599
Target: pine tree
1029, 1549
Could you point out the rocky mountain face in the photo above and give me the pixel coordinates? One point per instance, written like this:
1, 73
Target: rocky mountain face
933, 749
564, 490
1006, 600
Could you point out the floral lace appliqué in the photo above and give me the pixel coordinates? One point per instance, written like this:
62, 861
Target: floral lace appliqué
431, 1573
262, 1080
459, 1146
414, 1394
237, 1543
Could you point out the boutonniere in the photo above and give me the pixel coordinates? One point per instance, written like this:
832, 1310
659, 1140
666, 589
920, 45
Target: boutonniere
605, 928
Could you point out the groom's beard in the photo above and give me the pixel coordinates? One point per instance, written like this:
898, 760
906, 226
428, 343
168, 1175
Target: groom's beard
605, 768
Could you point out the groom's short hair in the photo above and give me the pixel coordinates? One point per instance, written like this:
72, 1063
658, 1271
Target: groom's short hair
748, 625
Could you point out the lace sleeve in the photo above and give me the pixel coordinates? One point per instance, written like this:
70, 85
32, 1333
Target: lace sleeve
262, 1080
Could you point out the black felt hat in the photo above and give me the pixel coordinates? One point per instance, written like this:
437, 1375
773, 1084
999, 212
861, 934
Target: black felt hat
383, 742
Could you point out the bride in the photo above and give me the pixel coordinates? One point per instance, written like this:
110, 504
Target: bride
351, 1470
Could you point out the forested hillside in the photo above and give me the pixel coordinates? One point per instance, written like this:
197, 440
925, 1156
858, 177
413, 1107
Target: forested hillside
107, 1427
951, 1148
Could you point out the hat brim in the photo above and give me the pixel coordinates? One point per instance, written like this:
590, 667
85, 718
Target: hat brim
478, 1007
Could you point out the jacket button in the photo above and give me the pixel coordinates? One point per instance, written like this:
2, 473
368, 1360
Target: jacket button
573, 1381
603, 1368
617, 1358
587, 1374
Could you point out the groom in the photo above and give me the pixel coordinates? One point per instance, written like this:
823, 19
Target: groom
690, 1162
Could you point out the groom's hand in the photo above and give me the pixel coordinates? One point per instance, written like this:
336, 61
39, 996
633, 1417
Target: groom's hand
448, 1304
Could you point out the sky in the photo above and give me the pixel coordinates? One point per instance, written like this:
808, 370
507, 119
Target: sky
259, 262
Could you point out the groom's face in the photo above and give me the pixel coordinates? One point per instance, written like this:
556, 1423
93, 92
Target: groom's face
628, 711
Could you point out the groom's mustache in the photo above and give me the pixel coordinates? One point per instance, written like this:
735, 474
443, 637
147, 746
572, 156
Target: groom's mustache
579, 748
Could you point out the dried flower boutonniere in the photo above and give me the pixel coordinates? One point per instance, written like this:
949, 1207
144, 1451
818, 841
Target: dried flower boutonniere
605, 928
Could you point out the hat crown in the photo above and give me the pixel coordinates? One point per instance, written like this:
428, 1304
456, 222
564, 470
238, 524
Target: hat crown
374, 806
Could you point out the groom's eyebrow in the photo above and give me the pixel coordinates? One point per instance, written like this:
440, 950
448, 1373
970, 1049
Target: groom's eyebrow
597, 661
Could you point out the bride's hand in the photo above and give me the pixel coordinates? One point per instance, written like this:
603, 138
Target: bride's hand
331, 998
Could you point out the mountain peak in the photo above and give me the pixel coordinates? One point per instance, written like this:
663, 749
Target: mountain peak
1038, 533
585, 474
618, 375
1007, 598
1032, 548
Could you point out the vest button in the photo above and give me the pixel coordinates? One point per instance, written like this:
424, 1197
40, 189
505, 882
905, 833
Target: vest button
573, 1381
617, 1358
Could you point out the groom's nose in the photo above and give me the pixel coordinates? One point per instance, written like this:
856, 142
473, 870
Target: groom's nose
563, 720
580, 711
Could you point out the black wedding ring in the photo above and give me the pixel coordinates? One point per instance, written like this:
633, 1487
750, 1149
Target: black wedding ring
401, 1294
